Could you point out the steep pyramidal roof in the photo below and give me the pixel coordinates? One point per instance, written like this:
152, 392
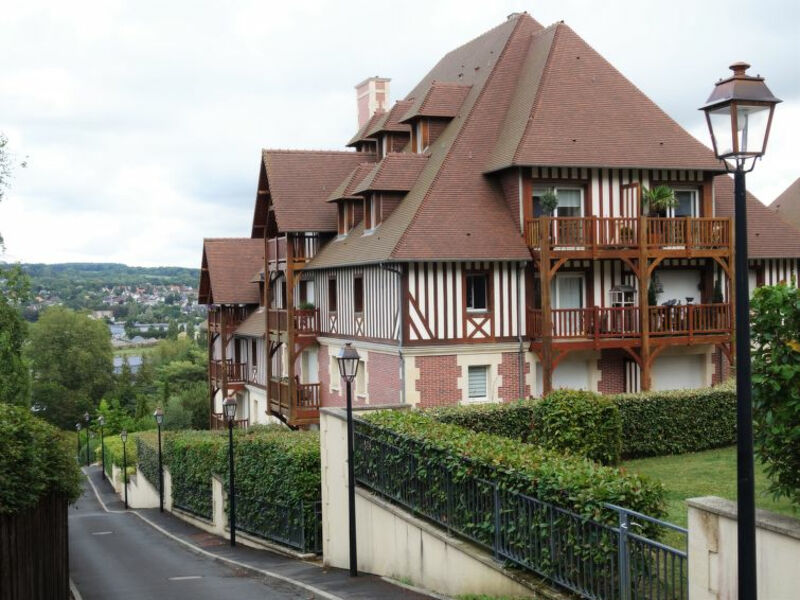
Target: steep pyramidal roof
573, 108
227, 268
787, 205
768, 236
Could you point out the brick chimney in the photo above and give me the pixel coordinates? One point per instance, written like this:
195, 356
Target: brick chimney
372, 94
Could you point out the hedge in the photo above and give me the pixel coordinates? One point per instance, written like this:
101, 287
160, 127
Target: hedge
35, 459
572, 482
676, 422
113, 452
509, 419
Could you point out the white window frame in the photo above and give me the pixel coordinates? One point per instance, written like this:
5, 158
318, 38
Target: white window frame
695, 202
487, 369
539, 190
486, 276
555, 294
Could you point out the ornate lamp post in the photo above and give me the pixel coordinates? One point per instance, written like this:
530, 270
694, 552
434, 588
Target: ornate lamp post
101, 421
86, 418
739, 115
78, 429
159, 416
124, 437
348, 368
229, 409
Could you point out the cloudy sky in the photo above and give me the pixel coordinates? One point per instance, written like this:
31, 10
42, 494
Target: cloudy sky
142, 121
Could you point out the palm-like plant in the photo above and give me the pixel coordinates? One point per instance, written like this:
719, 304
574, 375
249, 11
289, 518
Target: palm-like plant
659, 198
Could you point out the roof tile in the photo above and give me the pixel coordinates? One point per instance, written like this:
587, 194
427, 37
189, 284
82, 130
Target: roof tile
229, 264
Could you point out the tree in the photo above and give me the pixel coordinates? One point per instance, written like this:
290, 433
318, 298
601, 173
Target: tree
659, 199
14, 374
72, 363
775, 325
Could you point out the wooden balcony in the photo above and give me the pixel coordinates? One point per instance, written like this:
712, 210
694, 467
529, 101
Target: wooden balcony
609, 237
297, 249
236, 371
306, 321
302, 409
621, 326
218, 422
233, 316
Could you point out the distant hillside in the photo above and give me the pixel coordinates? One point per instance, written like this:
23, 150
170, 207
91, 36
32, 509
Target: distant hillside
94, 275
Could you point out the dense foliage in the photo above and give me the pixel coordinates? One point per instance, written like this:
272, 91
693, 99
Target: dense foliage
71, 361
509, 419
14, 372
677, 421
114, 455
579, 422
776, 386
578, 484
35, 459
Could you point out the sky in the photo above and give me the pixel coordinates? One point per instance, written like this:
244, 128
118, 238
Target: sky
142, 122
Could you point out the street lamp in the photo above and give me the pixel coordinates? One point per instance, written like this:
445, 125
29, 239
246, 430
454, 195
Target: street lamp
159, 416
348, 368
101, 421
86, 418
124, 436
78, 429
229, 410
739, 115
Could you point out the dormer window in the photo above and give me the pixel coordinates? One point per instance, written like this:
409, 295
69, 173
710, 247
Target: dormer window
350, 213
372, 212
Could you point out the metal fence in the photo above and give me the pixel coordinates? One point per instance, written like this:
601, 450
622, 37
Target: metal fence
595, 560
297, 525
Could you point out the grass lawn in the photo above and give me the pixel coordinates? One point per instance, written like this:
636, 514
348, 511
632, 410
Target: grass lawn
708, 473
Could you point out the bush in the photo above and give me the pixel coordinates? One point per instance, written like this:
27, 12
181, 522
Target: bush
113, 451
678, 421
776, 386
579, 422
578, 484
510, 419
35, 459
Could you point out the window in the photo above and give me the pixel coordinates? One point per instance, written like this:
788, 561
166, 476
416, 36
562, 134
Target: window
361, 379
477, 383
567, 290
254, 353
477, 292
368, 222
332, 295
570, 201
358, 294
687, 204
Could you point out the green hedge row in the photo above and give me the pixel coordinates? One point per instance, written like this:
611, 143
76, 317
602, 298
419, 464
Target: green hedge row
147, 456
606, 428
35, 459
113, 452
569, 481
676, 422
192, 457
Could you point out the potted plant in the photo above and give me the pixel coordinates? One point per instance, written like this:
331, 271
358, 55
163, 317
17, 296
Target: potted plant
659, 199
548, 202
626, 236
306, 306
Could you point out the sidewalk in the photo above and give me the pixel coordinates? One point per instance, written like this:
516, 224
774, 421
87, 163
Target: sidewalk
317, 581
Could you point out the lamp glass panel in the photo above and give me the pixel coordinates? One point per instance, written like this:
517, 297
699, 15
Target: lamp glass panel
751, 127
720, 120
230, 409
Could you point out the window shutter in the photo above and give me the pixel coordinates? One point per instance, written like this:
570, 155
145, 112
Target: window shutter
477, 382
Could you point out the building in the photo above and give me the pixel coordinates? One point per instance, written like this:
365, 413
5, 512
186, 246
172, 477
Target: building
787, 205
435, 249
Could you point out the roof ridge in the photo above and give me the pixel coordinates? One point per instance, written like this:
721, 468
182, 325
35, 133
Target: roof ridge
306, 151
545, 73
465, 121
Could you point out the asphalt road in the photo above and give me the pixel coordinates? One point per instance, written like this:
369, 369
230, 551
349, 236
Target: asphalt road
118, 556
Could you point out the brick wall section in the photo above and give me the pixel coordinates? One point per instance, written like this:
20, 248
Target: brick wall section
612, 372
384, 378
509, 371
720, 359
438, 380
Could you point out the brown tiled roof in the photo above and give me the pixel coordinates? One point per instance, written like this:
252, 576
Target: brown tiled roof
453, 212
787, 205
228, 266
441, 100
768, 236
346, 189
361, 134
397, 172
300, 182
573, 108
390, 121
254, 325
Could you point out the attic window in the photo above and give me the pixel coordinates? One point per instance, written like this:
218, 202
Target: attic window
372, 212
346, 219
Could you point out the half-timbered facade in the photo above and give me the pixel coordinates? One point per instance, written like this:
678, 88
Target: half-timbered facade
434, 246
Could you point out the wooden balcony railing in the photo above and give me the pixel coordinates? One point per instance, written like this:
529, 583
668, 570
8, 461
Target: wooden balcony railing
236, 371
218, 422
233, 315
624, 322
301, 247
306, 321
306, 401
614, 233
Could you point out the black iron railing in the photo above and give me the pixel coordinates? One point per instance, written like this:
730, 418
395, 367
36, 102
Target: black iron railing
595, 560
297, 524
